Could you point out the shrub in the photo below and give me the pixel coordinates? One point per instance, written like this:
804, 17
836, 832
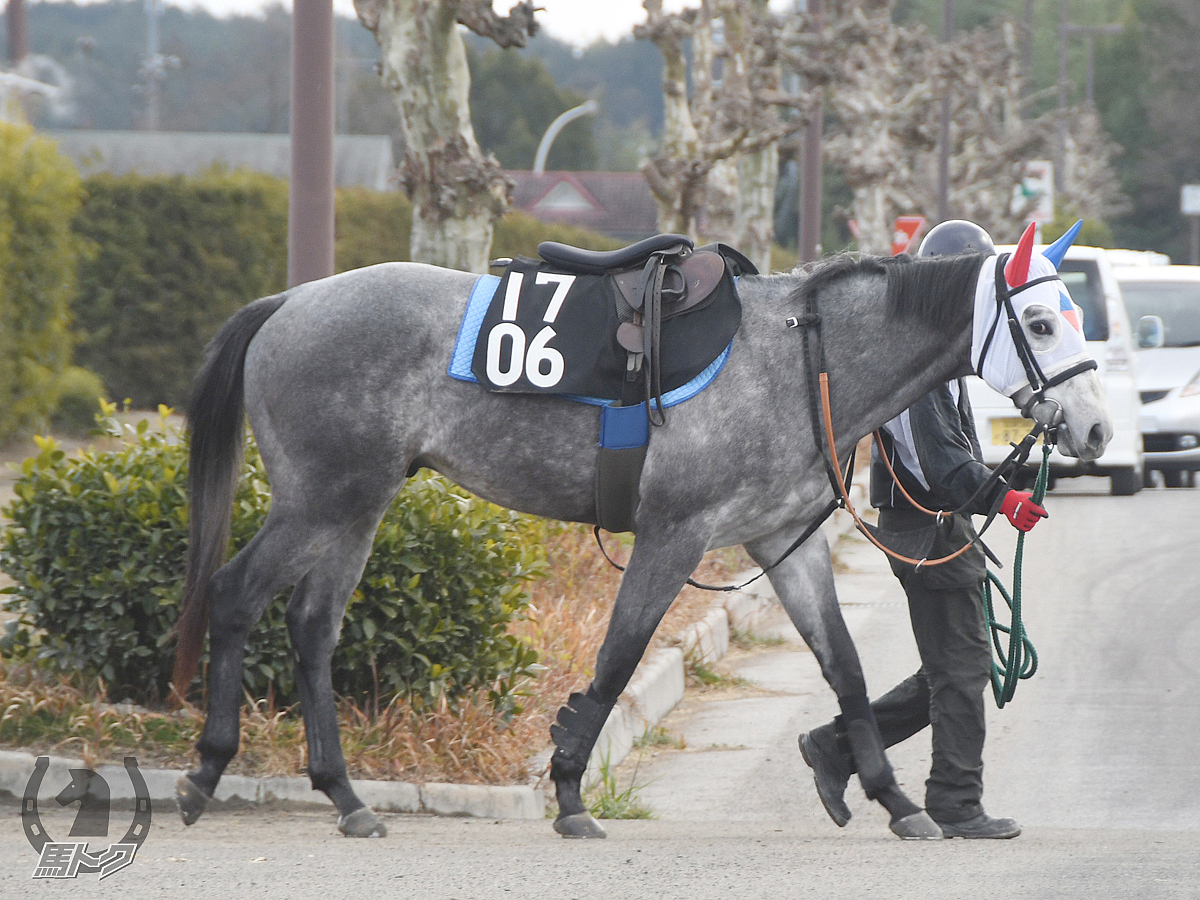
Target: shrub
175, 258
96, 547
370, 227
375, 227
78, 393
518, 234
39, 195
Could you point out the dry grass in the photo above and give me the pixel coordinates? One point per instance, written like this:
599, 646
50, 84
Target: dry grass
467, 742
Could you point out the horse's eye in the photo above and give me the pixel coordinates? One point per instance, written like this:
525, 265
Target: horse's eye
1040, 328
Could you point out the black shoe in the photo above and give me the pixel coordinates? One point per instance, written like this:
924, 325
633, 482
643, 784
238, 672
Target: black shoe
982, 826
827, 776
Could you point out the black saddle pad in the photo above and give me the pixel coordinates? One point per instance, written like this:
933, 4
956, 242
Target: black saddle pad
552, 331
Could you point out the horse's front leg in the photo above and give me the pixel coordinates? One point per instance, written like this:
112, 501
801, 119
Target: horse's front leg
660, 564
804, 585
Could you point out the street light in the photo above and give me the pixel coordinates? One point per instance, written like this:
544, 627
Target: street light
587, 108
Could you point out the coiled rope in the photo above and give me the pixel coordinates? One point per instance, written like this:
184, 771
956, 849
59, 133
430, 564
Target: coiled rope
1016, 658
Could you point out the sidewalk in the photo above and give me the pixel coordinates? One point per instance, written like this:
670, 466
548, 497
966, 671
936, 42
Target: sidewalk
740, 753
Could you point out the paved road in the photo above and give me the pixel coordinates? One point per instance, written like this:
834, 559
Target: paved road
1095, 757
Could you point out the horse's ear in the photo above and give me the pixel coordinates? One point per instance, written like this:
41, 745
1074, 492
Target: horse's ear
1056, 251
1016, 273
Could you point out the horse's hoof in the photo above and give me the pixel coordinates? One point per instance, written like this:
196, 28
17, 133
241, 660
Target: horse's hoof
361, 823
579, 825
916, 827
191, 799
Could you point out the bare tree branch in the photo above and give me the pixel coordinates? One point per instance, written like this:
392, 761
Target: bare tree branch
513, 30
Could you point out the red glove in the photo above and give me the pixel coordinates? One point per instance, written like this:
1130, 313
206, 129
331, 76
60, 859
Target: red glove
1021, 511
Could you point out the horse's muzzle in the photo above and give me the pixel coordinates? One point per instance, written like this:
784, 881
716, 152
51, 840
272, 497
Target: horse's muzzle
1090, 446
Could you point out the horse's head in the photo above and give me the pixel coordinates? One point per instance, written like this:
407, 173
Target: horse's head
1028, 344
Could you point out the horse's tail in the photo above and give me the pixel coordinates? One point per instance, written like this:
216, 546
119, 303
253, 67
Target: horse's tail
216, 414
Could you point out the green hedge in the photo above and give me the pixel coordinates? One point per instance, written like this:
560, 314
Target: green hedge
39, 194
176, 256
96, 547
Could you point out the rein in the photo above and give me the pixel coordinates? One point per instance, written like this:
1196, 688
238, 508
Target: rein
1015, 459
820, 409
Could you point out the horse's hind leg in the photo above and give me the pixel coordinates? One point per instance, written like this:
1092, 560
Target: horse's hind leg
276, 558
314, 617
659, 566
804, 585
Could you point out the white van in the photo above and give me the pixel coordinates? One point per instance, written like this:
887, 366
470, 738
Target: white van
1088, 275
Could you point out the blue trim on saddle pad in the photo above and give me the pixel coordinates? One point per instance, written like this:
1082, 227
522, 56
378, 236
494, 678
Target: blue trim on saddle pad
468, 334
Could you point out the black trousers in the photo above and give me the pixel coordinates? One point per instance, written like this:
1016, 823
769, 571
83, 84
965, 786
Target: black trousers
948, 621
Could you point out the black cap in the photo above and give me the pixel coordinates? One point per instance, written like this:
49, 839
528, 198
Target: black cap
956, 236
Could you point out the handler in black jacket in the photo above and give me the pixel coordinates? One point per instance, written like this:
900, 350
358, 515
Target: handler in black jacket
933, 448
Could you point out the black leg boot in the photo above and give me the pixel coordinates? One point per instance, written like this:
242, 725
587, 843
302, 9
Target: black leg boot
574, 734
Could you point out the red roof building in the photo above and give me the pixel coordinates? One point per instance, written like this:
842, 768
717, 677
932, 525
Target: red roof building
618, 204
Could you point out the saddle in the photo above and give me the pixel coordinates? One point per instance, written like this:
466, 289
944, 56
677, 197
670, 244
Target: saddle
624, 326
620, 325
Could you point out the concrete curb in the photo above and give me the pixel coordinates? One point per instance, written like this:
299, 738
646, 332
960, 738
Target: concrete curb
657, 688
482, 801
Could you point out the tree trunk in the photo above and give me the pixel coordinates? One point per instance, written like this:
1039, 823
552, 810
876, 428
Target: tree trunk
715, 175
882, 105
457, 192
759, 177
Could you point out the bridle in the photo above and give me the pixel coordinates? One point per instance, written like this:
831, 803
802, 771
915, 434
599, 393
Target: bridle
820, 408
1038, 382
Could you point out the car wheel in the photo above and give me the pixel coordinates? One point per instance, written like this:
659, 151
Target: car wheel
1126, 482
1148, 478
1177, 478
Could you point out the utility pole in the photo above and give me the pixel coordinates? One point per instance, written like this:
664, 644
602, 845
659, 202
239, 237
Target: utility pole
154, 65
1089, 33
587, 108
809, 237
310, 188
1027, 51
18, 35
1060, 136
1065, 30
943, 182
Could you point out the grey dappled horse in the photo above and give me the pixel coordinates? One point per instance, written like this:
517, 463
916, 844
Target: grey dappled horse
345, 386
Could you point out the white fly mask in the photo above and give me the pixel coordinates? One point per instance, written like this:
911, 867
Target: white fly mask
1027, 331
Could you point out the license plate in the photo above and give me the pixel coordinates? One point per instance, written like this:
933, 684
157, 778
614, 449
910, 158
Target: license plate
1010, 431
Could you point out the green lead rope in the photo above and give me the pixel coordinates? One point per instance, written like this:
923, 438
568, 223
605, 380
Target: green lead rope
1018, 659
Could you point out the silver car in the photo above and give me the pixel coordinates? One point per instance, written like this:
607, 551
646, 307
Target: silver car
1164, 304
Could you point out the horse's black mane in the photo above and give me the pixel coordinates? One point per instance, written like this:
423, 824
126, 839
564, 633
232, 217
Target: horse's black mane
925, 289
